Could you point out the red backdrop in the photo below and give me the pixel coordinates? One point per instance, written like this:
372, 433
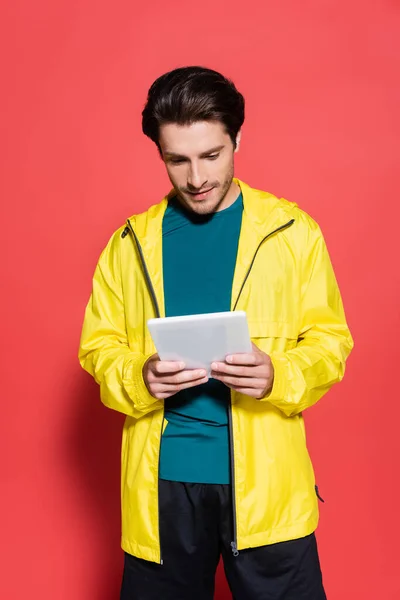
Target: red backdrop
322, 128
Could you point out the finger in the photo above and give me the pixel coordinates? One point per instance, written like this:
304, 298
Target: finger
236, 370
184, 385
163, 390
167, 366
248, 382
256, 392
252, 392
244, 359
174, 379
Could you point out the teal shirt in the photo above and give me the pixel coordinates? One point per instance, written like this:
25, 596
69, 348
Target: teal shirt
199, 258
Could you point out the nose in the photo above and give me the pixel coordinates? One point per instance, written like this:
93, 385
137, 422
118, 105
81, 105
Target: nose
196, 180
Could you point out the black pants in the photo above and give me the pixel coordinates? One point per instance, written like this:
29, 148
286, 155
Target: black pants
195, 529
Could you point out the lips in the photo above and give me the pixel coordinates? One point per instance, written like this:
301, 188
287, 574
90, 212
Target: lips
200, 194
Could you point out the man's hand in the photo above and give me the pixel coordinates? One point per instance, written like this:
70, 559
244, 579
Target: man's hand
250, 374
165, 378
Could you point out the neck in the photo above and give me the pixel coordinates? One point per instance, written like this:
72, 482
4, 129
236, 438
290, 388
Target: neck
230, 197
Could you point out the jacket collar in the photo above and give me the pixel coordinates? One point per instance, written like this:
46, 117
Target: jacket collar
263, 213
262, 210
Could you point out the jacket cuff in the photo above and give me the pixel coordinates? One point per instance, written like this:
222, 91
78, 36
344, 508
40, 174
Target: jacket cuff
279, 388
134, 383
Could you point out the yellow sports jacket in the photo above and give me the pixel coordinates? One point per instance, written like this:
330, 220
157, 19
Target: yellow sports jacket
285, 282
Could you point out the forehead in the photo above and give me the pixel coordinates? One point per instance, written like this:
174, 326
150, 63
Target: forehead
195, 138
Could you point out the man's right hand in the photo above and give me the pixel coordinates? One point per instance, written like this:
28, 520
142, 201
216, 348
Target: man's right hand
165, 378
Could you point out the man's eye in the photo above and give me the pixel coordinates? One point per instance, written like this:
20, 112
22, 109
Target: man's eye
212, 156
177, 161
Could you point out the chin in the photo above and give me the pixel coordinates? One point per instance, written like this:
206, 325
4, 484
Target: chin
202, 208
205, 207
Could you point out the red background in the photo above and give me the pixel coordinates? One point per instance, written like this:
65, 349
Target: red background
321, 80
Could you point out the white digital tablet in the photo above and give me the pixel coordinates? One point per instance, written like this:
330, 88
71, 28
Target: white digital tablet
199, 340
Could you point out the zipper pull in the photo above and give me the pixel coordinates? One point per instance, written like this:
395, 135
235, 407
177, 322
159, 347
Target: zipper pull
235, 551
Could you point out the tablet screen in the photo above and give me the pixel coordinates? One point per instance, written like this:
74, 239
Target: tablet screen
199, 340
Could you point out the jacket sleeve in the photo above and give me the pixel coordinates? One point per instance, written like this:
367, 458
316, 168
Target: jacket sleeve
305, 373
104, 351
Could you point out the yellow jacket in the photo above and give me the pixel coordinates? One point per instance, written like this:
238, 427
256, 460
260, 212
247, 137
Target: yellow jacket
285, 283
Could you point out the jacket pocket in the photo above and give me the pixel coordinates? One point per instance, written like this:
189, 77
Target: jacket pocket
273, 335
273, 329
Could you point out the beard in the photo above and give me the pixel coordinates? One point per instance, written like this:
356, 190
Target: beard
210, 204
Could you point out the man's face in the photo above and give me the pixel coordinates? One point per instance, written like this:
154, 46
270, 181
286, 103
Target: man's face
199, 159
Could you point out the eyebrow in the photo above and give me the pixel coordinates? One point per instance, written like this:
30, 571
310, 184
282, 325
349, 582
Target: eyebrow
202, 155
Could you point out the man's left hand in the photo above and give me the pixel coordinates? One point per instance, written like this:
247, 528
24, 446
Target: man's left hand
250, 374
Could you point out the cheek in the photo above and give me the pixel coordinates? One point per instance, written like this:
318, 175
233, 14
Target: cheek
216, 170
225, 168
176, 176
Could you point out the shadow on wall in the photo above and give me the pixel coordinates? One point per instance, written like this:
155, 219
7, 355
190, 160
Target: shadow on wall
93, 454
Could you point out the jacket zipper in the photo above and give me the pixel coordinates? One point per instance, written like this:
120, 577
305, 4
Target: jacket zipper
285, 226
145, 269
128, 229
234, 547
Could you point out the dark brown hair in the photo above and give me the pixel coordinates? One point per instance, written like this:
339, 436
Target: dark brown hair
190, 94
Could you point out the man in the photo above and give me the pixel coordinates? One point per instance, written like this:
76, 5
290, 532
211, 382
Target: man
215, 466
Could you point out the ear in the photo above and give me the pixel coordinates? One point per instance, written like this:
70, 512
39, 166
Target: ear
238, 138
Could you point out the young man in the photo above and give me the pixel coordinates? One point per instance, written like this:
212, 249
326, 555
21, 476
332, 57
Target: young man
215, 466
